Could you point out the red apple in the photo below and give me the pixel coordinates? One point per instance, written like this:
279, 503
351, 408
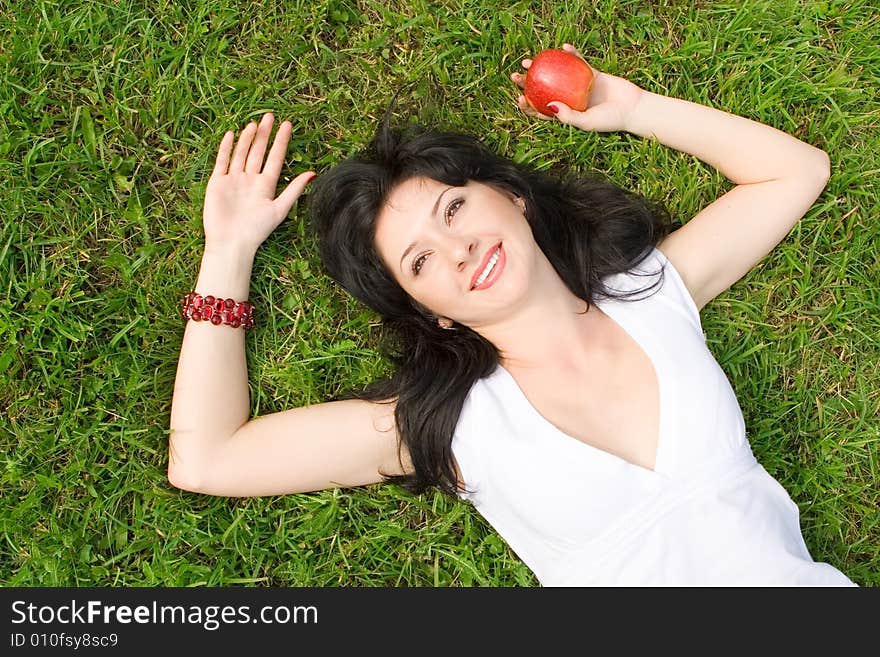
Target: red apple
558, 75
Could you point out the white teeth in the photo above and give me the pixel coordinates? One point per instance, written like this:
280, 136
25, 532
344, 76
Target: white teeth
489, 266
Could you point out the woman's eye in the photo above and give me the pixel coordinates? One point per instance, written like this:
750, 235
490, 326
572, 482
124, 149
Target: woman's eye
417, 264
452, 208
448, 214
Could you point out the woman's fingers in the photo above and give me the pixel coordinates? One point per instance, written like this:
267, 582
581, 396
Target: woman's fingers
251, 149
279, 147
519, 78
239, 155
574, 51
292, 192
221, 166
567, 47
564, 114
528, 110
258, 147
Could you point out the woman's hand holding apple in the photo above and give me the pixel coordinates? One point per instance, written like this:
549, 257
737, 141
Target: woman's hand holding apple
612, 101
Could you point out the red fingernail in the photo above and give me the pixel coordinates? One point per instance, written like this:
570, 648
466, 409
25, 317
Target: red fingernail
553, 109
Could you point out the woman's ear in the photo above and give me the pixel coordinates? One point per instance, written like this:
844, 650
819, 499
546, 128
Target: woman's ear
444, 322
518, 200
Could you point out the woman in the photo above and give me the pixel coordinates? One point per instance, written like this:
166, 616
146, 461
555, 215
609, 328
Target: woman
586, 420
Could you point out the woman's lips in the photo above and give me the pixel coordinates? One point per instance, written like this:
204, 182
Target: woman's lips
496, 270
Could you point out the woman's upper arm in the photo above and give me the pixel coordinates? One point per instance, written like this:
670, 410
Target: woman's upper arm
728, 238
329, 445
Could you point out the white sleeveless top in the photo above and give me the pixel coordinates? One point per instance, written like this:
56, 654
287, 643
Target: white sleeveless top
708, 514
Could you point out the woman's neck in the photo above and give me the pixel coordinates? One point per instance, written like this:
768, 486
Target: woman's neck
550, 330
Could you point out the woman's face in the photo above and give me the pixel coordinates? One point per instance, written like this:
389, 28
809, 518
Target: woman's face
438, 241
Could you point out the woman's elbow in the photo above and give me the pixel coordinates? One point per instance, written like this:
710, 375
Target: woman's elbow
184, 478
813, 172
185, 470
824, 167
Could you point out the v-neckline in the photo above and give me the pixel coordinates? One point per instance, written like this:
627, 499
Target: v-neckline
592, 448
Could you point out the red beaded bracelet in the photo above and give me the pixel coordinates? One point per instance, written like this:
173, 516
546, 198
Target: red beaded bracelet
218, 311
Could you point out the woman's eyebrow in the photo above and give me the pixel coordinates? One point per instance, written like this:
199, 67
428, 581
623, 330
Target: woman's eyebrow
433, 212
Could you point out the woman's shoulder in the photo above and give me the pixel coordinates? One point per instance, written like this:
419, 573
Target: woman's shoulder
676, 288
488, 401
485, 389
655, 275
475, 428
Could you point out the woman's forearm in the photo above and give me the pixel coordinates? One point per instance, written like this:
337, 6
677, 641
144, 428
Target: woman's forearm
211, 399
744, 151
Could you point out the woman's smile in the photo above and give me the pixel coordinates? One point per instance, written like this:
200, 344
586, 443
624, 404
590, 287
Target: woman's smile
490, 269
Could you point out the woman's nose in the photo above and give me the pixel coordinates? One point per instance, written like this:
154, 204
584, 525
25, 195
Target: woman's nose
463, 252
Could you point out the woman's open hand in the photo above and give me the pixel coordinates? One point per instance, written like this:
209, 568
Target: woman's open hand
240, 205
612, 101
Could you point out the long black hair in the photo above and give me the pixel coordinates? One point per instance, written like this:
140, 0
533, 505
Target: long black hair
587, 227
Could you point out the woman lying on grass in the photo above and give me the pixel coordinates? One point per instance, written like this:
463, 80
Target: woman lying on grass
551, 366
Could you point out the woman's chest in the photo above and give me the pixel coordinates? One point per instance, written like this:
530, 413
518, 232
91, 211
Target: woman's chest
569, 456
614, 407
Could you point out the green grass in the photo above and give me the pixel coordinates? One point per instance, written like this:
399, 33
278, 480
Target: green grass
110, 114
